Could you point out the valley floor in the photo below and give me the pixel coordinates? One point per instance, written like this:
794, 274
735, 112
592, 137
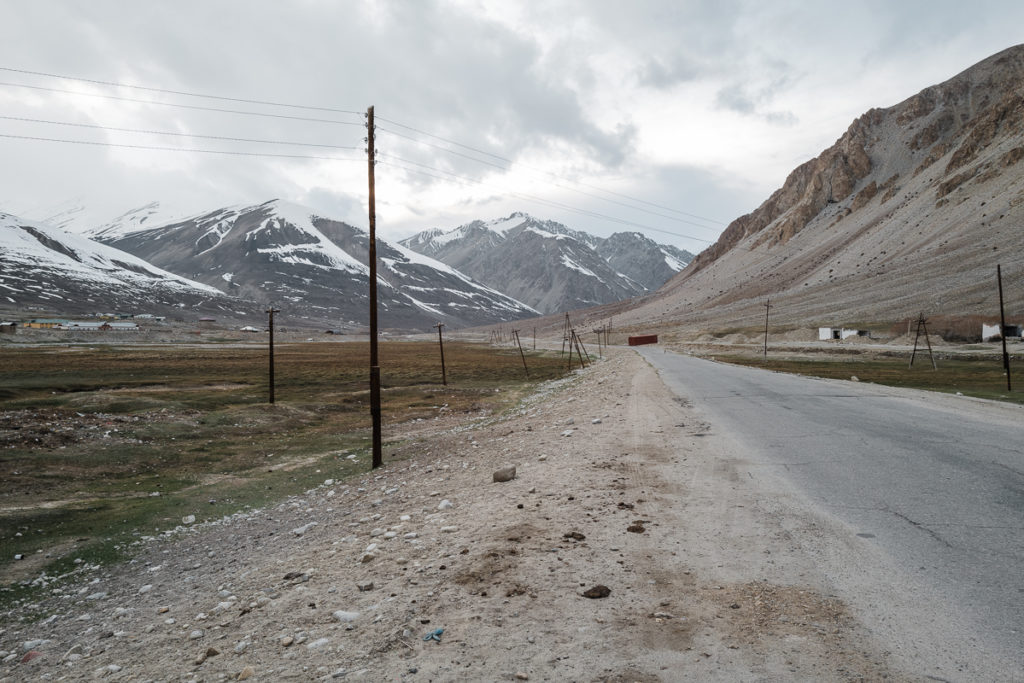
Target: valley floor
619, 484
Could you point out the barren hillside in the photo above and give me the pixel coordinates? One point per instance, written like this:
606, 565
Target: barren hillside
909, 211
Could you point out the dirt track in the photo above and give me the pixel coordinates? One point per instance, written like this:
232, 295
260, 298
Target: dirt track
643, 498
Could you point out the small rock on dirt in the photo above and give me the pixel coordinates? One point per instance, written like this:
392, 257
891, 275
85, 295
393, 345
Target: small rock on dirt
345, 617
598, 591
506, 473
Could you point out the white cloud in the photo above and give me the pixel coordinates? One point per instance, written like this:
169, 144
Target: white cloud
702, 107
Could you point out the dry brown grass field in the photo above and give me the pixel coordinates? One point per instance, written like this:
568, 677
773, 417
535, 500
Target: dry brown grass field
102, 444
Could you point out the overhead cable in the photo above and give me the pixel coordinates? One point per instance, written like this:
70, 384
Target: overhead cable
180, 92
176, 149
182, 135
181, 106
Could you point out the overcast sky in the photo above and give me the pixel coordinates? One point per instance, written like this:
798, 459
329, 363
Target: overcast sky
594, 113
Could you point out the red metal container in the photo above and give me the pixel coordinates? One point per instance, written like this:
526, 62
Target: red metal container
643, 339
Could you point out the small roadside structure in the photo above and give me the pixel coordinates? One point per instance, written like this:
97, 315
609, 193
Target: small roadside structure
991, 332
641, 339
840, 333
8, 327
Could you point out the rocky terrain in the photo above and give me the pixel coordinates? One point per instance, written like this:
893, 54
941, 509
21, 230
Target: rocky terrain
909, 211
625, 548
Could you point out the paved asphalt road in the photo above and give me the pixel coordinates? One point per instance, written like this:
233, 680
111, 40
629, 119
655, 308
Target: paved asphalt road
935, 481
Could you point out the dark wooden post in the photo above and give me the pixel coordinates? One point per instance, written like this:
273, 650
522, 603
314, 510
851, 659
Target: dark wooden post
440, 342
522, 355
375, 411
270, 328
1002, 327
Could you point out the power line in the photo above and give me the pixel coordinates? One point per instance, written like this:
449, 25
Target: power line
548, 202
351, 112
175, 149
181, 106
183, 135
564, 187
511, 162
179, 92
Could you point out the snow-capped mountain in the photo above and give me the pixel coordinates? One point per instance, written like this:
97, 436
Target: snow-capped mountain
148, 216
313, 267
550, 266
642, 259
49, 268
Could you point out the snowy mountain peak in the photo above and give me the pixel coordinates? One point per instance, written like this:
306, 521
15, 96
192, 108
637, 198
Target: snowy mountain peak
142, 218
41, 265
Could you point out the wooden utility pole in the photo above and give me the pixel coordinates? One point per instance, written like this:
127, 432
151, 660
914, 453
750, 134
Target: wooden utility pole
270, 328
522, 355
566, 326
378, 458
922, 324
767, 307
440, 342
1002, 327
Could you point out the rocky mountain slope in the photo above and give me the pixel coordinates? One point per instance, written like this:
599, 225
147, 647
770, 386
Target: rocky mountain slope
50, 270
313, 267
550, 266
909, 211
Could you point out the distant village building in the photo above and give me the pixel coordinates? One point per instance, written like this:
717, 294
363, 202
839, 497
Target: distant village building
104, 326
46, 324
990, 332
840, 333
8, 327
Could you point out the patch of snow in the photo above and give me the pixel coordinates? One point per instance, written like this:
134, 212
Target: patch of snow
673, 263
569, 263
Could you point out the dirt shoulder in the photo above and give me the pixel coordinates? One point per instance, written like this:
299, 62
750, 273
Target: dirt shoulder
619, 484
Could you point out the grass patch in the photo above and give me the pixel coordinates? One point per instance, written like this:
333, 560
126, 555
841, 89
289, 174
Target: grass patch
979, 377
102, 445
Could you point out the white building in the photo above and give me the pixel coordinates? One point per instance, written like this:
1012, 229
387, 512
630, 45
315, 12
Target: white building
827, 333
990, 332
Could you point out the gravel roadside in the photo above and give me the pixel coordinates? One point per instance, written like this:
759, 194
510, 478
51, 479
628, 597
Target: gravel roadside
626, 548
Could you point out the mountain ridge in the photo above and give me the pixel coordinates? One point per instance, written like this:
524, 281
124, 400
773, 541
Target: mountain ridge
549, 265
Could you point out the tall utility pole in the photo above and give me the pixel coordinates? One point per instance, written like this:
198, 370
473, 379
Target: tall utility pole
1002, 326
440, 342
270, 328
378, 459
767, 307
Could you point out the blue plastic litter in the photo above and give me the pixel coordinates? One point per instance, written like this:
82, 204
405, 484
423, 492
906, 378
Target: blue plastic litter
434, 635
